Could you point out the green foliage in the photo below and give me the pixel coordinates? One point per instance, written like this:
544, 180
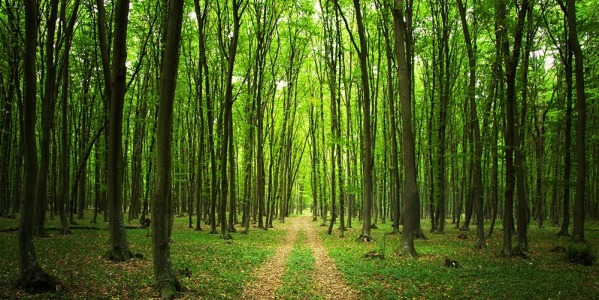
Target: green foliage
581, 253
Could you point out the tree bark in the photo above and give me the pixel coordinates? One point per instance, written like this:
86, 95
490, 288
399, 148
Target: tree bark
520, 158
31, 276
119, 248
579, 200
478, 148
567, 61
412, 201
228, 120
368, 159
166, 282
47, 121
511, 63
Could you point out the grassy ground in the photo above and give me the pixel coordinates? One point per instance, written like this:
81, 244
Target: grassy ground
484, 273
220, 270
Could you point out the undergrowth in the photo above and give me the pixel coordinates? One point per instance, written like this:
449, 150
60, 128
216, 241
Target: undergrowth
219, 269
484, 274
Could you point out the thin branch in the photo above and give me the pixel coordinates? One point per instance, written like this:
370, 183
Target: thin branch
351, 36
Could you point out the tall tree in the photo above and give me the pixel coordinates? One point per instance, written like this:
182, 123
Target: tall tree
266, 18
166, 282
367, 132
238, 9
578, 210
519, 155
395, 183
411, 218
565, 55
48, 102
64, 153
31, 275
511, 59
115, 91
478, 147
444, 97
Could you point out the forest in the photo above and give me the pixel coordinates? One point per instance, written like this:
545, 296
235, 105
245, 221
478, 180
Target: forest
257, 149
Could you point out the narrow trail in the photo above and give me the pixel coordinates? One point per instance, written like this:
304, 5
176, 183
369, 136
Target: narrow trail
268, 276
329, 282
328, 279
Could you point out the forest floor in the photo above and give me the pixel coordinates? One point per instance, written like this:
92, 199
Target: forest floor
299, 260
329, 282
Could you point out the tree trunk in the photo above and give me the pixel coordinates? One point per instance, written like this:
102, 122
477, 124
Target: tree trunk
412, 202
511, 61
579, 200
520, 159
228, 121
139, 134
31, 277
568, 146
368, 159
119, 248
166, 282
444, 84
47, 121
478, 148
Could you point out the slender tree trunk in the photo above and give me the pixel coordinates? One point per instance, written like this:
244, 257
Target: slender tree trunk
368, 159
139, 133
520, 159
31, 277
119, 248
314, 163
478, 148
511, 62
166, 282
412, 201
579, 200
47, 121
232, 179
540, 153
228, 120
568, 146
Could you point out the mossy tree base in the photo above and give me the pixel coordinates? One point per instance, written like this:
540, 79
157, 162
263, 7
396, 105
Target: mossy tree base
169, 289
37, 281
364, 238
119, 255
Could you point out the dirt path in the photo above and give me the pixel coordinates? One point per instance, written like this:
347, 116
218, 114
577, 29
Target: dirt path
329, 282
268, 276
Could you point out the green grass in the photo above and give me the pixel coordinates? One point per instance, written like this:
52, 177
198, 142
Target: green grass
219, 269
484, 273
297, 282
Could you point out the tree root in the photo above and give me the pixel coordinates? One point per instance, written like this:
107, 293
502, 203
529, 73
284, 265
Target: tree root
168, 290
37, 281
364, 238
121, 255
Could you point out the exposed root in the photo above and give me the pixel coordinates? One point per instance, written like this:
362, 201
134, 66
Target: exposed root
364, 238
168, 290
119, 255
374, 255
37, 281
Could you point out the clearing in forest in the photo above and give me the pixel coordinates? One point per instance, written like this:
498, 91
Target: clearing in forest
325, 275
